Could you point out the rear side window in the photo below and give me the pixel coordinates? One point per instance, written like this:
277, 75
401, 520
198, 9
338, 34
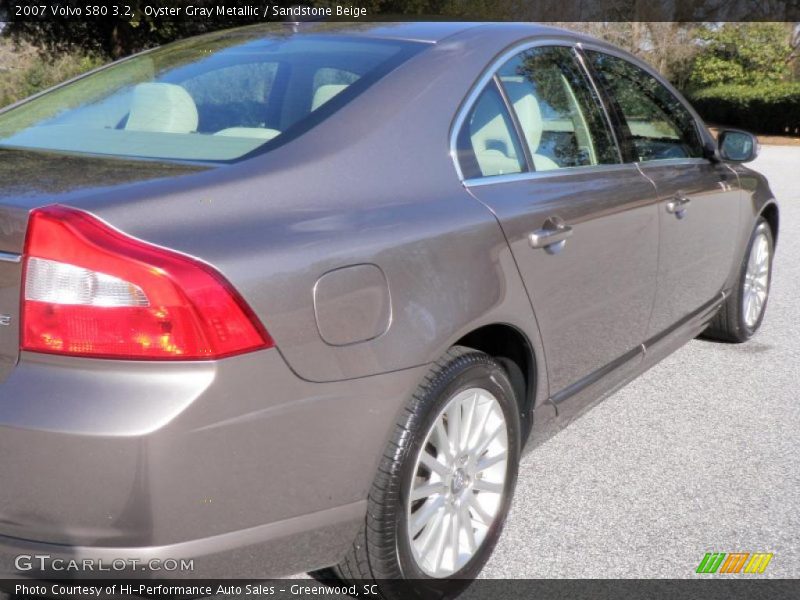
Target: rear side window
487, 142
656, 124
557, 110
218, 97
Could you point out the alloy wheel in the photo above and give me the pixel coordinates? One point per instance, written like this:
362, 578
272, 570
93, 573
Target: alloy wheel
756, 280
459, 481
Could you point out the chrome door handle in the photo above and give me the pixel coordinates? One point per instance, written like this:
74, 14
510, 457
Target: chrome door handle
552, 236
678, 205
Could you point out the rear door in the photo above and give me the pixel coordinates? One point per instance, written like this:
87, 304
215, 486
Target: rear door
12, 236
698, 199
536, 148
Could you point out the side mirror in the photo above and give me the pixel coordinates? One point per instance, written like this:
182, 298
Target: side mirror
737, 146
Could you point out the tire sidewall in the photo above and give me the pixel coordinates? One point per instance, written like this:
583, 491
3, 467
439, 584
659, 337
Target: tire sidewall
486, 374
747, 332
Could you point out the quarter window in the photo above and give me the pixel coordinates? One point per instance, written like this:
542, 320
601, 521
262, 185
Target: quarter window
656, 124
487, 142
557, 109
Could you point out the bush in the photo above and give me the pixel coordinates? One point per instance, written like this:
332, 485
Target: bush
772, 108
24, 71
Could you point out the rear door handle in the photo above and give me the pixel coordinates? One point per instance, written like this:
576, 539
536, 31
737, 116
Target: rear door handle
552, 237
678, 204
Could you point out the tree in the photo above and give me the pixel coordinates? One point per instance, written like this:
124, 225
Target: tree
742, 54
668, 46
117, 36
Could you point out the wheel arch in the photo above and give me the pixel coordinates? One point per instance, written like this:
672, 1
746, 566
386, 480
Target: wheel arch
771, 214
512, 348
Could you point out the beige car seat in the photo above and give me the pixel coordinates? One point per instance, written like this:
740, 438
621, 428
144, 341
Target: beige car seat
163, 108
492, 142
530, 119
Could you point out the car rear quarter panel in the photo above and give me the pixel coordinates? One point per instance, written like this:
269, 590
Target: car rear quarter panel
374, 184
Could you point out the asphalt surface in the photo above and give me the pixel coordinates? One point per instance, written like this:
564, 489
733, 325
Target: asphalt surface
700, 454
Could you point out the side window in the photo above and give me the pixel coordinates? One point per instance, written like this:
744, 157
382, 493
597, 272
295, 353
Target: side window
487, 143
657, 124
557, 109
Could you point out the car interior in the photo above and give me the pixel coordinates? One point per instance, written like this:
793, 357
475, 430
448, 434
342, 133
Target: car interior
555, 138
222, 107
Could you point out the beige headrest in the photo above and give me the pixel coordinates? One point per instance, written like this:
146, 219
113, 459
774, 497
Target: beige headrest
528, 111
162, 107
325, 93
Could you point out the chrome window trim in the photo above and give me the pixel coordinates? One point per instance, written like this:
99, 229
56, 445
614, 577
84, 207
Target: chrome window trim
515, 125
8, 257
533, 175
699, 125
577, 51
484, 79
667, 162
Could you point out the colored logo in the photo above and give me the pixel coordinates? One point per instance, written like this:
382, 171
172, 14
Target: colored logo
734, 562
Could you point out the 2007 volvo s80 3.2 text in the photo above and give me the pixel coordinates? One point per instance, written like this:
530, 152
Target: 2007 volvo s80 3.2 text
293, 297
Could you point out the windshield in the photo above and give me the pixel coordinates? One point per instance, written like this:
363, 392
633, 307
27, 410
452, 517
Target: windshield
216, 98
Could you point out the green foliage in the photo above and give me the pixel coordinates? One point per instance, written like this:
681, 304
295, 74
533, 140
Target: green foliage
118, 36
772, 108
742, 54
30, 72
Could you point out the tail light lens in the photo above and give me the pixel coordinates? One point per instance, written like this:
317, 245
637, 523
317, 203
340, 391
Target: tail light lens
92, 291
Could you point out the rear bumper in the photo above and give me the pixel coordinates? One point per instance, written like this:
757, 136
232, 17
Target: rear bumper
281, 548
237, 464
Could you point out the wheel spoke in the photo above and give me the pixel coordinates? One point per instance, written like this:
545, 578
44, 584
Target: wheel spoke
485, 517
454, 426
433, 464
466, 525
476, 435
455, 534
469, 418
442, 441
431, 533
488, 486
428, 490
750, 310
423, 516
441, 543
488, 439
487, 462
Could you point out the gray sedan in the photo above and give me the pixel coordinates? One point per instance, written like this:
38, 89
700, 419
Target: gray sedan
295, 297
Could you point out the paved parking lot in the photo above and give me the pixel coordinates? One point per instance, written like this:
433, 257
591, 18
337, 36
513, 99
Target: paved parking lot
700, 454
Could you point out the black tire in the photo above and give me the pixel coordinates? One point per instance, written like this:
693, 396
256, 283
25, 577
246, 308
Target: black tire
729, 324
381, 552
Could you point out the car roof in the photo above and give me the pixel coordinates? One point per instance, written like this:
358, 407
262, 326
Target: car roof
430, 32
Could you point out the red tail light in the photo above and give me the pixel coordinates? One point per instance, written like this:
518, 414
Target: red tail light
92, 291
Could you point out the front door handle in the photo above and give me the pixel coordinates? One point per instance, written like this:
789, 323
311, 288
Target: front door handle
678, 204
552, 236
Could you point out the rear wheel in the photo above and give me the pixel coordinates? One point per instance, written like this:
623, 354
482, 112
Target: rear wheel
743, 311
444, 487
